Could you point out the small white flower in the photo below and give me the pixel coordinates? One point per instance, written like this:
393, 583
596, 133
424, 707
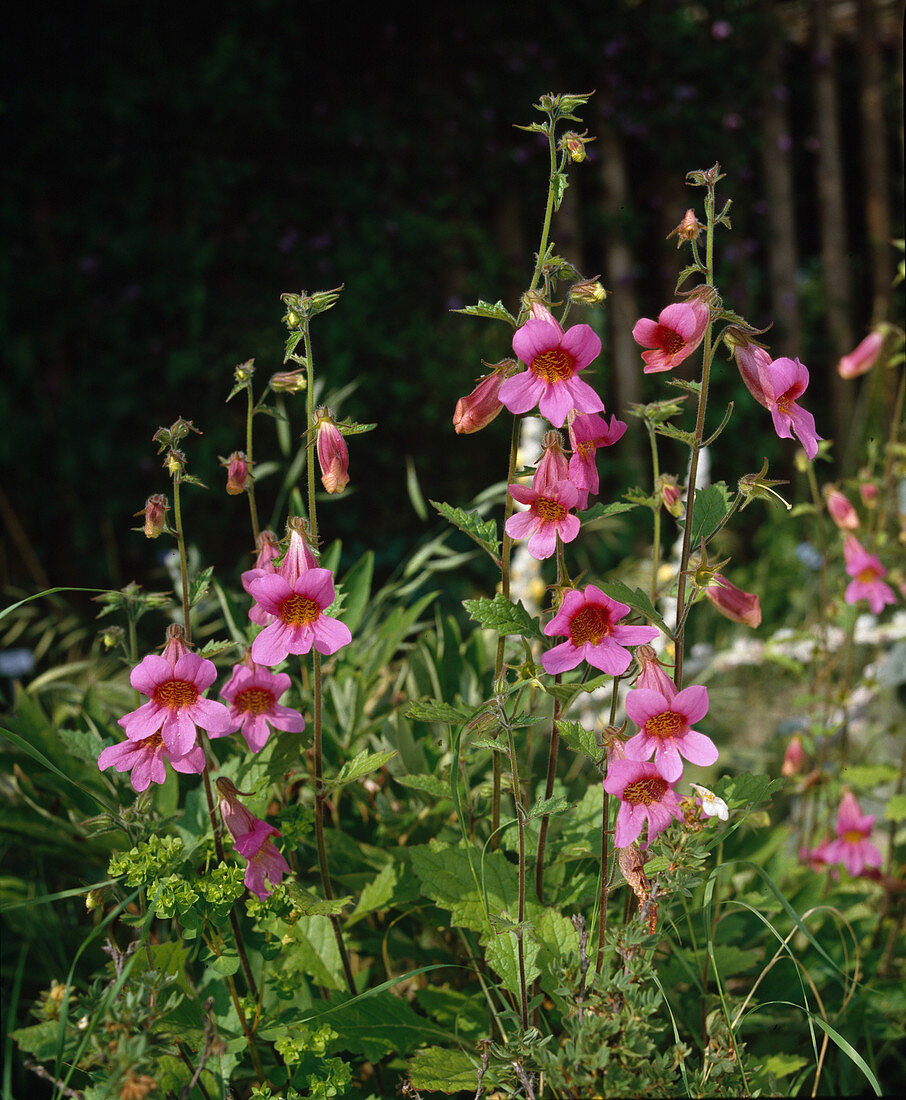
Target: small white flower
712, 806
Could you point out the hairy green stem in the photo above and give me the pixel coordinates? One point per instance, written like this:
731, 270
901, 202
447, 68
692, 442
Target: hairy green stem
250, 484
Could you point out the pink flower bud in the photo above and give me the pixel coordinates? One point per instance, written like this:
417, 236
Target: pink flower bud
155, 513
794, 757
333, 455
671, 494
841, 511
554, 465
868, 491
863, 357
237, 473
651, 673
733, 603
477, 409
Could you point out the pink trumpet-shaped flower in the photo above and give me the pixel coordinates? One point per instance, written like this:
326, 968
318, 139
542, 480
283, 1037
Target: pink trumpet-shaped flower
673, 337
268, 551
253, 840
333, 454
777, 384
298, 620
554, 465
852, 847
477, 409
553, 359
665, 729
866, 571
863, 357
549, 515
590, 619
176, 703
145, 759
587, 432
734, 603
651, 673
645, 795
840, 509
252, 692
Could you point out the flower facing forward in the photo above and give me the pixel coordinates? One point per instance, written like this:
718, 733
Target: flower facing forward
146, 759
549, 515
852, 847
665, 729
553, 359
298, 620
252, 692
777, 384
866, 571
673, 337
645, 795
176, 705
253, 840
590, 619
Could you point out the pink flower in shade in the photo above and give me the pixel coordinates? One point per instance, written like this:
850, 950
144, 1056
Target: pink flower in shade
253, 840
590, 619
333, 454
866, 571
587, 432
645, 795
548, 515
777, 384
840, 510
298, 620
852, 847
176, 703
665, 729
673, 337
863, 357
145, 759
651, 673
553, 358
252, 692
477, 409
733, 603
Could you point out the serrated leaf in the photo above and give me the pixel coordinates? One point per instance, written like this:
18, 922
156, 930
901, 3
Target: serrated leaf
439, 1069
559, 184
579, 739
566, 693
555, 805
502, 615
637, 600
362, 763
747, 791
711, 505
613, 509
482, 531
501, 954
428, 784
685, 273
199, 585
431, 710
685, 384
292, 341
676, 433
496, 311
38, 1039
311, 905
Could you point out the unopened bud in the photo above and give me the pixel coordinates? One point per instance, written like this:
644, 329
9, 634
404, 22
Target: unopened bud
94, 899
670, 493
868, 491
155, 514
333, 454
238, 473
175, 462
794, 757
243, 371
863, 357
587, 293
288, 381
574, 146
477, 409
840, 510
732, 602
689, 229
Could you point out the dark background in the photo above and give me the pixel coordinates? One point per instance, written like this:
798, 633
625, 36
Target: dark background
174, 168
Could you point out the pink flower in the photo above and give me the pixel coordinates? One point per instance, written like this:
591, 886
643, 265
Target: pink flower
333, 454
665, 729
733, 603
866, 571
651, 674
587, 432
645, 795
816, 858
298, 621
155, 514
673, 337
477, 409
253, 840
776, 384
590, 619
548, 516
176, 703
237, 473
852, 847
794, 757
862, 358
268, 551
553, 358
554, 465
145, 759
252, 692
841, 511
868, 491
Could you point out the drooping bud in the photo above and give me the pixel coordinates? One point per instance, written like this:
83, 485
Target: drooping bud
841, 511
238, 473
554, 465
573, 145
298, 558
689, 229
155, 513
671, 494
333, 455
587, 293
176, 644
733, 603
863, 357
868, 491
651, 674
794, 757
477, 409
288, 381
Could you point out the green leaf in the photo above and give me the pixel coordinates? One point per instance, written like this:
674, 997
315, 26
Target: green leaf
896, 808
430, 710
198, 586
380, 1025
579, 739
39, 1039
710, 507
559, 184
497, 311
502, 955
356, 585
555, 805
482, 531
429, 784
226, 964
676, 433
637, 600
363, 763
439, 1069
597, 511
502, 615
378, 893
292, 341
311, 905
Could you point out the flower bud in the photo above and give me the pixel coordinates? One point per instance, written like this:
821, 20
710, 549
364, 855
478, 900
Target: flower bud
668, 489
651, 673
155, 513
841, 511
733, 603
243, 372
689, 229
868, 491
574, 146
863, 357
477, 409
288, 381
587, 293
237, 473
333, 455
794, 757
